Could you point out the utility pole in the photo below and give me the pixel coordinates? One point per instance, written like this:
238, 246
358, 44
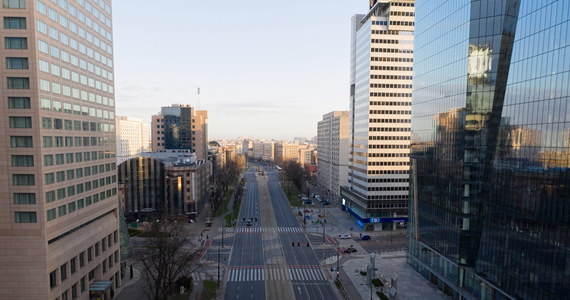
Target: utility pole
324, 224
337, 260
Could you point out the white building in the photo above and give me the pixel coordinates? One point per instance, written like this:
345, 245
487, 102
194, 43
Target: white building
132, 138
332, 146
380, 112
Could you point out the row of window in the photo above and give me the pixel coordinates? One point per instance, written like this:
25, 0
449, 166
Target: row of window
390, 112
392, 95
13, 3
391, 59
71, 207
402, 23
384, 23
402, 13
390, 86
388, 155
392, 41
61, 176
400, 77
386, 180
68, 141
76, 109
390, 129
388, 163
389, 138
62, 124
388, 146
390, 120
392, 32
387, 197
404, 4
391, 50
388, 172
391, 68
387, 188
391, 103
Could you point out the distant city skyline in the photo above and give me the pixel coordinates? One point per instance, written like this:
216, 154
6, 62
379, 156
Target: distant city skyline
264, 69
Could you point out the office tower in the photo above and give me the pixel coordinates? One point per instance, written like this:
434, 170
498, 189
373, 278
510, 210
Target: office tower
180, 127
332, 146
380, 112
59, 219
132, 138
490, 204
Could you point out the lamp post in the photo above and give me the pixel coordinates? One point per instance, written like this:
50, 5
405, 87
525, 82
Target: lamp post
218, 265
337, 260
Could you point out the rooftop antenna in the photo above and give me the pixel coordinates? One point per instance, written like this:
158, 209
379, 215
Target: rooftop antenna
198, 93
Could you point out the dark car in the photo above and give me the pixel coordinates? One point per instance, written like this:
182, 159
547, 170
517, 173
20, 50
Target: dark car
349, 250
248, 223
365, 238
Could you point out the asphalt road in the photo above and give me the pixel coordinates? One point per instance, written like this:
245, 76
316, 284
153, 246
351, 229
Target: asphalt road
249, 273
245, 278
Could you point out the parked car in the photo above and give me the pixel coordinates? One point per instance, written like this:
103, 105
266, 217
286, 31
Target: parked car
344, 236
349, 250
365, 238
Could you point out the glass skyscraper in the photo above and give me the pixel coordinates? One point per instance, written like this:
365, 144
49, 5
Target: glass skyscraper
490, 196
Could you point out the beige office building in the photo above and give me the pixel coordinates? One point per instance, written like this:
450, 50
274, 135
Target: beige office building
264, 150
58, 213
332, 146
285, 151
132, 138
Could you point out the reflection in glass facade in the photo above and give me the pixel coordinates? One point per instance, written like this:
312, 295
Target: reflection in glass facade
490, 195
143, 180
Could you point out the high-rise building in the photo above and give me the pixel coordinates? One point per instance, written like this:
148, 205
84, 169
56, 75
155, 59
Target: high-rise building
490, 184
181, 127
332, 146
263, 150
59, 216
380, 112
132, 138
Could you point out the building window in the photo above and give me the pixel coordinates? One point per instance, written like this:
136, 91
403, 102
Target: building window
23, 179
81, 259
20, 122
74, 291
24, 198
62, 210
26, 217
21, 142
13, 3
53, 279
73, 265
22, 160
14, 23
48, 160
47, 141
18, 83
16, 43
90, 254
51, 214
82, 284
17, 63
19, 102
50, 196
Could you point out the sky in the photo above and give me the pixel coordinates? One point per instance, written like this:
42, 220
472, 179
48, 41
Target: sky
265, 69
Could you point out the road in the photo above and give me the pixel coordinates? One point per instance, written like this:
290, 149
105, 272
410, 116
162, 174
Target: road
272, 258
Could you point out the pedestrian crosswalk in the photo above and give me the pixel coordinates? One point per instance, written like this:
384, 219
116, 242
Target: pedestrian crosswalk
263, 274
263, 229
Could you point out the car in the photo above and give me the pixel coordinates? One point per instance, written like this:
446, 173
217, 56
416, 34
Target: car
365, 238
326, 203
248, 223
344, 236
307, 210
349, 250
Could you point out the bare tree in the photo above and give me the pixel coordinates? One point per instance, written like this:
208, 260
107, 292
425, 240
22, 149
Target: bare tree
167, 255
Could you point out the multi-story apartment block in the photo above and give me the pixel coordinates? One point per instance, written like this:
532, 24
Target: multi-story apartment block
263, 150
380, 112
285, 151
180, 127
132, 138
490, 184
306, 156
332, 146
59, 217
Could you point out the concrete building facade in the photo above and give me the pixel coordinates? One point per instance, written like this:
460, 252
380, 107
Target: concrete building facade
332, 146
264, 150
132, 137
380, 113
285, 151
59, 217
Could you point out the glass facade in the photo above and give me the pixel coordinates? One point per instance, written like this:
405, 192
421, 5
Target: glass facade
177, 127
490, 195
143, 180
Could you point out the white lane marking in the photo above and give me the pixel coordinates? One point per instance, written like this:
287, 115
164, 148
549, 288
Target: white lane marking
290, 274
